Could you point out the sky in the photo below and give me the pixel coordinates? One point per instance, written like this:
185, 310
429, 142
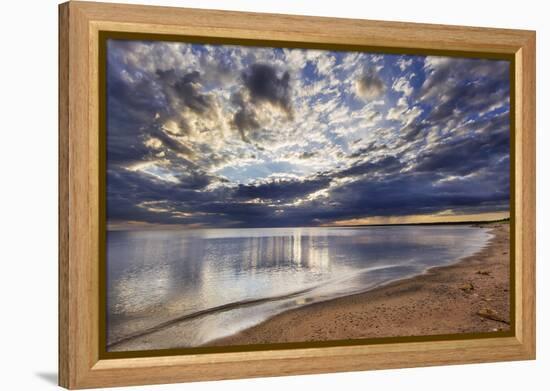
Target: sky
240, 136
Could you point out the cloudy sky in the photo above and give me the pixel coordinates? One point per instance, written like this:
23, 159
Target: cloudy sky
235, 136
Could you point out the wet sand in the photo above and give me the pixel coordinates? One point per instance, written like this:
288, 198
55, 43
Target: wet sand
470, 296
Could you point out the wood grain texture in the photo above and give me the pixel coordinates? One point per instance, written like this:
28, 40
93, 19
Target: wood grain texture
527, 95
80, 24
63, 200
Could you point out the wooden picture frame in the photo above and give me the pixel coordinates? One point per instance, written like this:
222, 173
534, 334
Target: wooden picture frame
80, 171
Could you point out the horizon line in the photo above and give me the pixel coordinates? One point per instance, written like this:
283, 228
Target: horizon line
167, 227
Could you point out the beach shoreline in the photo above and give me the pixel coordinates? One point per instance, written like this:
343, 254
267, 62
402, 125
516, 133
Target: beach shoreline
471, 295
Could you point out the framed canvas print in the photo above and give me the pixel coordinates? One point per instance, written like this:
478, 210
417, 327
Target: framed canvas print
254, 195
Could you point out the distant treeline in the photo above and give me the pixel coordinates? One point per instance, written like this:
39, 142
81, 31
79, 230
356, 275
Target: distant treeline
506, 220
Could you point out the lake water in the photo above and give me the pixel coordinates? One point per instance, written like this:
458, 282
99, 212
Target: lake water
169, 289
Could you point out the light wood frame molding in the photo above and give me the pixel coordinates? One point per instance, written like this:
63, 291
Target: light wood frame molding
80, 365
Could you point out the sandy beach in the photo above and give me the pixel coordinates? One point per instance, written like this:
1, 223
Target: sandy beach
467, 297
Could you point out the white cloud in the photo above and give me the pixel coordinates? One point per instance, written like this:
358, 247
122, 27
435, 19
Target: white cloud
403, 113
402, 85
404, 63
325, 64
153, 143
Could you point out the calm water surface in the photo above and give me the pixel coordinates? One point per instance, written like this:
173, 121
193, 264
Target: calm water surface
208, 283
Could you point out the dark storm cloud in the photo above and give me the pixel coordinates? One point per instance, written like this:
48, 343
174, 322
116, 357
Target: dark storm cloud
308, 155
462, 156
146, 187
413, 131
364, 151
170, 144
446, 73
265, 85
245, 117
130, 192
386, 165
467, 98
184, 91
378, 194
370, 85
406, 194
130, 107
411, 194
262, 84
282, 189
380, 190
461, 87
